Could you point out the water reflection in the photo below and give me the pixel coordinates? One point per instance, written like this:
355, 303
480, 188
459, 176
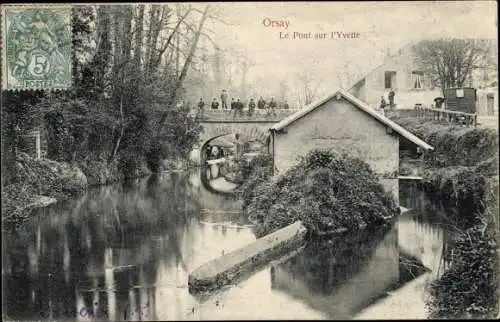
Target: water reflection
105, 252
344, 276
124, 252
425, 233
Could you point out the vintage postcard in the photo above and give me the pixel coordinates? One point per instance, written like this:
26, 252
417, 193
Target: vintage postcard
249, 161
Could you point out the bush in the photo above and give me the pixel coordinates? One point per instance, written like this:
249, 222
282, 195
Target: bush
49, 178
132, 166
242, 167
325, 190
460, 190
253, 174
100, 172
32, 178
16, 201
454, 145
458, 170
469, 288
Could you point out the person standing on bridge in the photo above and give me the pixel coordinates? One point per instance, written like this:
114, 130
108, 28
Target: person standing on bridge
233, 104
215, 104
236, 108
439, 102
261, 104
241, 106
272, 106
286, 106
251, 107
223, 99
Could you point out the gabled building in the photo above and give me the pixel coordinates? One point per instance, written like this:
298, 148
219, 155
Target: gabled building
344, 123
399, 72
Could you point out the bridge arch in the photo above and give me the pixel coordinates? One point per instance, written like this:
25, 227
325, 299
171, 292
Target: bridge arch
256, 131
217, 123
247, 132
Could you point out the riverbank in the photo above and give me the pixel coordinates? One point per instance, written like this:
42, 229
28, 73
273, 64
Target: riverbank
461, 176
37, 183
462, 173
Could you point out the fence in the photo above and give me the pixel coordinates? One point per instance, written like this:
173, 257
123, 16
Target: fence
446, 115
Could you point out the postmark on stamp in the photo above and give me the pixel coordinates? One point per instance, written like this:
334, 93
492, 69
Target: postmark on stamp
36, 47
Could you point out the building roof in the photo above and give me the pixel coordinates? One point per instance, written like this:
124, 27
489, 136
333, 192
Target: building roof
362, 106
364, 77
389, 56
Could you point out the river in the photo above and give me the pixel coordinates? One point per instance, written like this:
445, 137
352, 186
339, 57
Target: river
124, 252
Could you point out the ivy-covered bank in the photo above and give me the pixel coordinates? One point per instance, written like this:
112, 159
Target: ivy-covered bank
35, 183
327, 191
462, 176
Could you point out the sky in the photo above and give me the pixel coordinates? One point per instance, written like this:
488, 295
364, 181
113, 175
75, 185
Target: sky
382, 26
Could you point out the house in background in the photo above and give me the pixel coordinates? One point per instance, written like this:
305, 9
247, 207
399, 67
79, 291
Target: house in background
344, 123
400, 72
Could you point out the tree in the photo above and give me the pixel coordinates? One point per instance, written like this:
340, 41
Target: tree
190, 56
307, 88
283, 90
450, 62
122, 103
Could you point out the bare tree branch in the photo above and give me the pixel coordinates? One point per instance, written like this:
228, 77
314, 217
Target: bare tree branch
450, 62
171, 36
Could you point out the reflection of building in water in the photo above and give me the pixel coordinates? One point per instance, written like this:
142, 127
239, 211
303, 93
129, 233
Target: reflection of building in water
342, 284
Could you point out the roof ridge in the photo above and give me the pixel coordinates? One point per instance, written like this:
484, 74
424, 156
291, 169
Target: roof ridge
359, 104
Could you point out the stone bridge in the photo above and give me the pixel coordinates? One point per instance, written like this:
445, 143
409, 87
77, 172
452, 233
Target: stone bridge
250, 129
217, 123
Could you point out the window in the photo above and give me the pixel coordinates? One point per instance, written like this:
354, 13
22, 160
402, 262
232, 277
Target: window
389, 79
417, 79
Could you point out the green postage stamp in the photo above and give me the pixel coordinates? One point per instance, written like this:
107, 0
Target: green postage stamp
37, 42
